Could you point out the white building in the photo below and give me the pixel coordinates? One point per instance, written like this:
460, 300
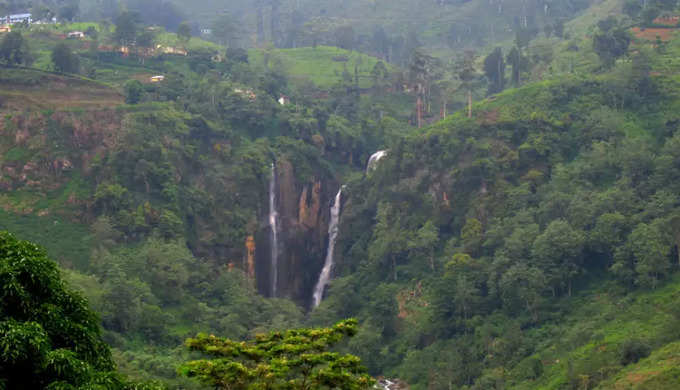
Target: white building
76, 34
18, 18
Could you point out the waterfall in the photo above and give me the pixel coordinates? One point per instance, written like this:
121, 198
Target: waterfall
332, 238
274, 237
375, 157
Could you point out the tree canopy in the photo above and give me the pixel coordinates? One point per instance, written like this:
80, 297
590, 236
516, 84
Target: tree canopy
293, 359
49, 338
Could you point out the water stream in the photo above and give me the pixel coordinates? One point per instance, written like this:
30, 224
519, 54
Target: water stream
375, 157
332, 238
274, 235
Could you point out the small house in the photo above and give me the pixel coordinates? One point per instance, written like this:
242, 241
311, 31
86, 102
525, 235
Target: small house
206, 31
157, 79
283, 100
171, 50
248, 93
5, 28
76, 35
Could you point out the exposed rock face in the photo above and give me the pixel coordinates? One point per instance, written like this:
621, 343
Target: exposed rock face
250, 257
304, 221
310, 206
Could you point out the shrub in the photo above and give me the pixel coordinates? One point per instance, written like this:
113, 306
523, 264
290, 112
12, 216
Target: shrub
634, 350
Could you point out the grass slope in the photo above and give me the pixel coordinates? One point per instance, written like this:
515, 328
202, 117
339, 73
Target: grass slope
588, 343
323, 65
23, 88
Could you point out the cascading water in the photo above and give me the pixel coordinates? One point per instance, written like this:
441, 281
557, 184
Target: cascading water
332, 238
375, 157
274, 235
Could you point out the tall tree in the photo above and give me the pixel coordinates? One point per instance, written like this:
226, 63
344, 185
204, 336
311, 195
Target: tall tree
421, 72
184, 33
467, 74
519, 64
126, 28
225, 29
494, 69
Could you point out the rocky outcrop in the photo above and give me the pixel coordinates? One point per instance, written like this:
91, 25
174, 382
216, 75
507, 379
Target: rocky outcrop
250, 257
310, 206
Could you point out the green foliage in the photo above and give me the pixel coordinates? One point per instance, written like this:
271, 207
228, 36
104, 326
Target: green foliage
293, 359
14, 50
611, 42
134, 91
49, 338
64, 59
634, 350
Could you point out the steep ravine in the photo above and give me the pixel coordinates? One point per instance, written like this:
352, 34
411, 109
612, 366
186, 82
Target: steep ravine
302, 237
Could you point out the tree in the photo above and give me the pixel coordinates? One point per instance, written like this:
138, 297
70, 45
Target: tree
611, 43
293, 359
184, 33
380, 74
134, 90
519, 64
648, 15
69, 11
64, 59
126, 28
225, 29
92, 33
520, 286
14, 50
421, 71
424, 242
632, 8
146, 41
651, 254
666, 5
467, 75
345, 37
557, 252
41, 13
48, 335
494, 69
472, 235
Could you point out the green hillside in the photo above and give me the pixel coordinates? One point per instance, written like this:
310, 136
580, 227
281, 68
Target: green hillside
522, 230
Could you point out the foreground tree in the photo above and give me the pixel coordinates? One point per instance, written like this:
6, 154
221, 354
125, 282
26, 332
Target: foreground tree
294, 359
49, 338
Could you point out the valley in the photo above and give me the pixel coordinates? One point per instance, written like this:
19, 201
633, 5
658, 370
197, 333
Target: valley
474, 194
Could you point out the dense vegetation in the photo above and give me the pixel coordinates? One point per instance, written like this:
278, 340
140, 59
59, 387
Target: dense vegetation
49, 338
528, 240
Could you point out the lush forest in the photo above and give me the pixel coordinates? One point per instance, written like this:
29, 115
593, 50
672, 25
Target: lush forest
195, 170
